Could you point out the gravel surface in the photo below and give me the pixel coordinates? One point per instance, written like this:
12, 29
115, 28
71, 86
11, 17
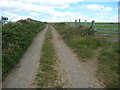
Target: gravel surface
79, 74
73, 72
25, 72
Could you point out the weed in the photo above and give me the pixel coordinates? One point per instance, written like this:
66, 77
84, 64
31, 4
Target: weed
47, 75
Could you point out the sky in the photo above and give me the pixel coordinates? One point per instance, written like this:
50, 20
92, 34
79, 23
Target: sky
60, 10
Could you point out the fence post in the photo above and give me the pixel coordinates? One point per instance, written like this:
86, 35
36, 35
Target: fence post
93, 25
75, 23
85, 22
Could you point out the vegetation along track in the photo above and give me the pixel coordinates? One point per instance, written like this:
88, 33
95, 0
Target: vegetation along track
23, 75
46, 76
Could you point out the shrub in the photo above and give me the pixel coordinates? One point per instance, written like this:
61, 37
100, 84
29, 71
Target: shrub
16, 38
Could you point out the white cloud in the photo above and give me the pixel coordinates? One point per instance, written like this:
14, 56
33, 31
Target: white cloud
102, 17
67, 16
35, 8
34, 14
63, 14
94, 7
49, 2
101, 0
108, 9
19, 6
14, 8
101, 9
39, 4
105, 11
97, 7
114, 18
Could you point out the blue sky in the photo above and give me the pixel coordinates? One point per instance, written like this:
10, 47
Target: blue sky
60, 10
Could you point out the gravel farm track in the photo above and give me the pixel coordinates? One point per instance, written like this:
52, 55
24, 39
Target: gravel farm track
78, 74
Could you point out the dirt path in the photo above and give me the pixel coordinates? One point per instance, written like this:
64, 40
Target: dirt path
24, 74
78, 74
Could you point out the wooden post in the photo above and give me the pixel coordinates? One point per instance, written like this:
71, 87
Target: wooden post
75, 23
93, 25
85, 22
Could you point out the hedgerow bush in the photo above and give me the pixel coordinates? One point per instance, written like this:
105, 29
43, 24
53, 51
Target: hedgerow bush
16, 38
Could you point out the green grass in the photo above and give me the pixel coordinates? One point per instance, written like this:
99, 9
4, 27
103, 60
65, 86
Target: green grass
84, 47
47, 75
108, 64
16, 38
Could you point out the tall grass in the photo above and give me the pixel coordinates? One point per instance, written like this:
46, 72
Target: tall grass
16, 38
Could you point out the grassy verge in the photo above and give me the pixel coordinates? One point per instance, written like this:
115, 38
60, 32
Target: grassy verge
108, 64
84, 46
79, 40
47, 75
16, 38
